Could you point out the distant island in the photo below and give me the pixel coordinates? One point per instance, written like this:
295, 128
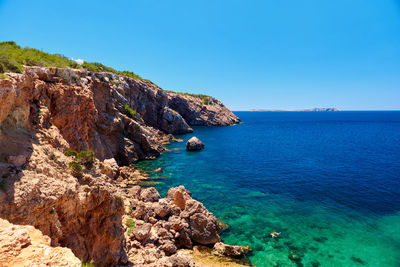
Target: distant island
311, 109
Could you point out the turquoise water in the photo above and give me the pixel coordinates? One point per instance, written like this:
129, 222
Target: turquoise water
329, 182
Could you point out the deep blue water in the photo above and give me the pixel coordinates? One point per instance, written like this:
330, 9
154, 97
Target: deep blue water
328, 181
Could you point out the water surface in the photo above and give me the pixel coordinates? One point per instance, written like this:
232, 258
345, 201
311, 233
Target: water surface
328, 181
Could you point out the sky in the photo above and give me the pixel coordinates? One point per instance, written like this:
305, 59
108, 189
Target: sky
250, 54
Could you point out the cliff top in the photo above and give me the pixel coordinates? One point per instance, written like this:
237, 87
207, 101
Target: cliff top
13, 58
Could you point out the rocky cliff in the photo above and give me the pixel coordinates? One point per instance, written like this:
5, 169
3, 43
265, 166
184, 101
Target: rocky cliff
201, 110
81, 202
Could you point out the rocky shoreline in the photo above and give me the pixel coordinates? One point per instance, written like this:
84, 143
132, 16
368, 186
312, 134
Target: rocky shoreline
91, 206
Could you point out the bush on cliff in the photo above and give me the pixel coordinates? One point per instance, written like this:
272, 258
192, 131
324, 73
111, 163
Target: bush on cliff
87, 264
130, 223
98, 67
13, 57
205, 98
129, 112
76, 169
85, 157
70, 153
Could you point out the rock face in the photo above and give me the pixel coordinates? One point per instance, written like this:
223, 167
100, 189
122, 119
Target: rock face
83, 214
201, 111
88, 109
194, 144
46, 111
27, 246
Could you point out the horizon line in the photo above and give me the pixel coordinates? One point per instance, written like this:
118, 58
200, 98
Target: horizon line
288, 110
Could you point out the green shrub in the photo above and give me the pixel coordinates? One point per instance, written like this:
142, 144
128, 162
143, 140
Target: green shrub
88, 264
130, 112
3, 76
76, 168
70, 153
98, 67
205, 98
131, 225
86, 158
13, 57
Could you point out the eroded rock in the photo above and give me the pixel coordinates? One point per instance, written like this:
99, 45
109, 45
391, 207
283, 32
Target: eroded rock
194, 144
27, 246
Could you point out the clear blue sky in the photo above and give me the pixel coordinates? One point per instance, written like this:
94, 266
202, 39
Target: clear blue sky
248, 53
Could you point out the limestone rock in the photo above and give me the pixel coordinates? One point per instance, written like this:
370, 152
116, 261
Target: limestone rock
204, 229
141, 232
110, 167
194, 144
179, 195
149, 194
27, 246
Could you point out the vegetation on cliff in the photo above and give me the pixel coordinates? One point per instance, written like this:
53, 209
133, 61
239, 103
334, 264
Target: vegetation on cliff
129, 112
205, 98
13, 58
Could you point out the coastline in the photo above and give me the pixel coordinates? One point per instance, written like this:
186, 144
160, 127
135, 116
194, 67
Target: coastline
53, 122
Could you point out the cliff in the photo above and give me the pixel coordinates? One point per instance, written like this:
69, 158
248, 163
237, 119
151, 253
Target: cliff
81, 202
201, 110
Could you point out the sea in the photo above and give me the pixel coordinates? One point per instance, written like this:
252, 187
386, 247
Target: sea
329, 182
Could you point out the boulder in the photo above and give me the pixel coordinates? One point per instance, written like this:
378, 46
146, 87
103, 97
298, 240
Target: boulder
110, 167
231, 251
149, 195
194, 144
17, 160
162, 209
179, 196
142, 231
204, 228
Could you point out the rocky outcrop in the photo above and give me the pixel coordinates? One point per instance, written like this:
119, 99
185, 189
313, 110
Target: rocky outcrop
89, 110
201, 110
194, 144
162, 226
27, 246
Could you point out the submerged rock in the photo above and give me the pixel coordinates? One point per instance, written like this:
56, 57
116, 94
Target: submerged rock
194, 144
231, 251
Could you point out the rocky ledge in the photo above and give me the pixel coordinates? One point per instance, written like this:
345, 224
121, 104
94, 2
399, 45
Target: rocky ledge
83, 202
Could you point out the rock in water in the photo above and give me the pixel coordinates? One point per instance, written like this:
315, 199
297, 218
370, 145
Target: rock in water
194, 144
231, 251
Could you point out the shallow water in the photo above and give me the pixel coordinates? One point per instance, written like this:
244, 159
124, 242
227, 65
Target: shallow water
329, 182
